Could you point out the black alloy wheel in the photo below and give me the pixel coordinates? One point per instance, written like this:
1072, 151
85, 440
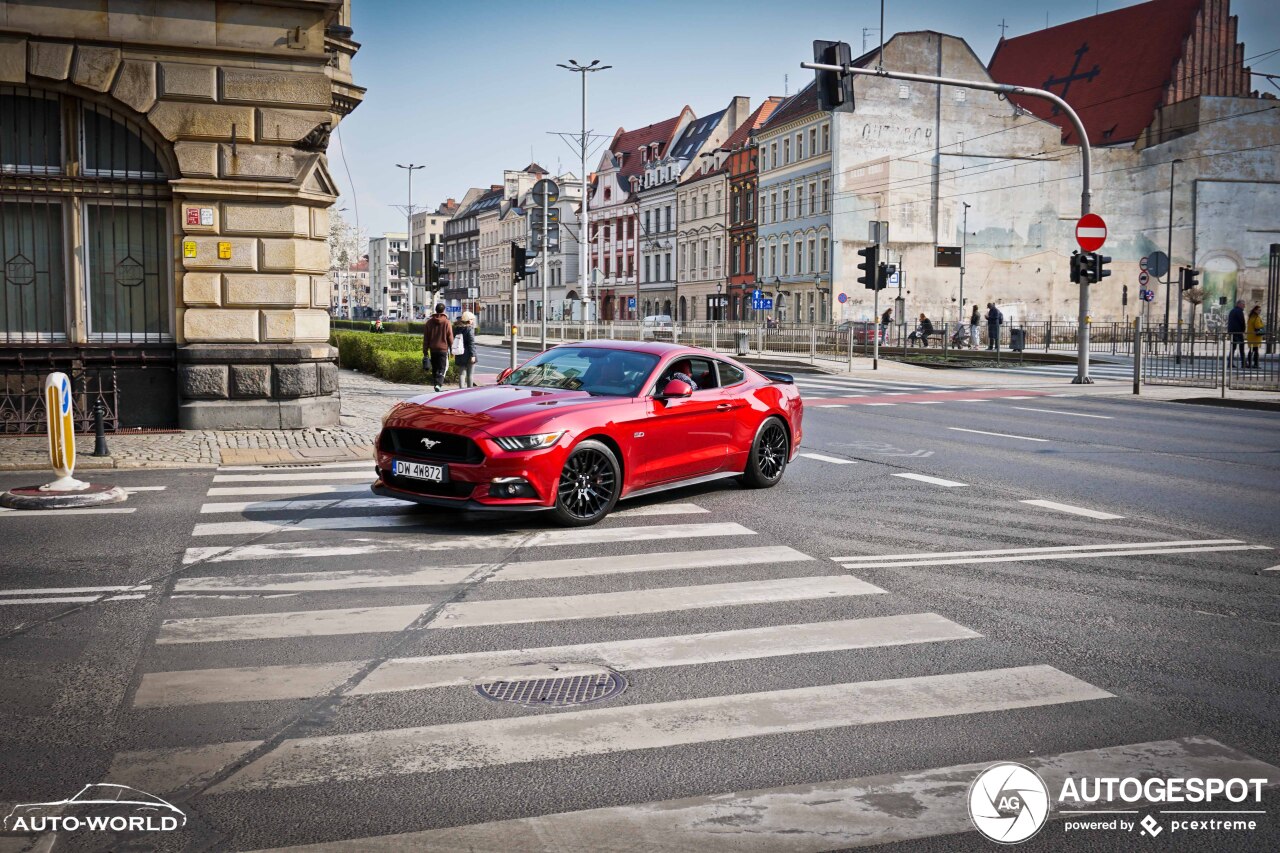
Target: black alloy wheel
768, 459
589, 485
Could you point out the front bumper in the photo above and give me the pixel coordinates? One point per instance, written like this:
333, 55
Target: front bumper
469, 482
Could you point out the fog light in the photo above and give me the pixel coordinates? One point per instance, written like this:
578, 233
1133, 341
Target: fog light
511, 487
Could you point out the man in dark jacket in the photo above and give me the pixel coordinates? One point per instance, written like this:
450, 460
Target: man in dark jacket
994, 320
1236, 328
437, 339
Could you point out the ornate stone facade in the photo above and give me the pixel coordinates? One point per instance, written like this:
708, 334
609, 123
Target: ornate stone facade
239, 99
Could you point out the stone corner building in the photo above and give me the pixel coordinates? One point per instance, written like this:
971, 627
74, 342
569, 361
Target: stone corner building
164, 207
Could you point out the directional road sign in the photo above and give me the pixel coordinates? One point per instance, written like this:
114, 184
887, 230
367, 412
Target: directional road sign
1157, 264
545, 191
1091, 232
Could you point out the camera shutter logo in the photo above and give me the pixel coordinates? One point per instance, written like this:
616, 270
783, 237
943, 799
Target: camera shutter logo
1008, 803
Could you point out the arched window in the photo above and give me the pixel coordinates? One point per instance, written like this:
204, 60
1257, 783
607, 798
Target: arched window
80, 181
684, 308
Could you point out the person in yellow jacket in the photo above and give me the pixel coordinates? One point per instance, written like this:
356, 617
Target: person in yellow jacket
1253, 329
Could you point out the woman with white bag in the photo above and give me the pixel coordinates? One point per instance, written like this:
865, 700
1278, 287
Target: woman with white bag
464, 349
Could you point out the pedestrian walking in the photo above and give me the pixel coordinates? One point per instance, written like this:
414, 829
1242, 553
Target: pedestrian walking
1255, 327
437, 340
886, 319
464, 358
1236, 329
975, 320
994, 320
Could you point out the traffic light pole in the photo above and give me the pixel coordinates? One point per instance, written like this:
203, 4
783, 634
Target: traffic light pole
1086, 165
542, 267
515, 302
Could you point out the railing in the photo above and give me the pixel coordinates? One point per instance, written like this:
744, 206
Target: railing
1210, 359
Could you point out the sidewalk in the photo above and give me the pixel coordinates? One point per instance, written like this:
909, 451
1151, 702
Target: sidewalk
364, 400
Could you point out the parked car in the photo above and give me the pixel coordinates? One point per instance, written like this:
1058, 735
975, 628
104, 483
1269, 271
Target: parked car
658, 327
579, 427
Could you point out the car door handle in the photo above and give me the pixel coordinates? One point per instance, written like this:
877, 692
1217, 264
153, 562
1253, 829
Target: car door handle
724, 407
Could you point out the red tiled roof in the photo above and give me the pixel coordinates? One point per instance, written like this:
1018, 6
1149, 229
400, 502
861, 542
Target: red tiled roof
1112, 67
626, 144
739, 137
800, 104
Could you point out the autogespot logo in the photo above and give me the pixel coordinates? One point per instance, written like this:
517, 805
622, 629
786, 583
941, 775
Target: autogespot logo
1008, 803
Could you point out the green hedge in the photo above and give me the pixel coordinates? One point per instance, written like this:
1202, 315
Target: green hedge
397, 326
396, 358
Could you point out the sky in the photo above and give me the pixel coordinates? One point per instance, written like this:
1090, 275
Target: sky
469, 89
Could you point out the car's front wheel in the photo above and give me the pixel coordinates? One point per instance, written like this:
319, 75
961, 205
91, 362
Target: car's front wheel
768, 458
589, 485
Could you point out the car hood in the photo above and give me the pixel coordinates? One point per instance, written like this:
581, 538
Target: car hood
493, 408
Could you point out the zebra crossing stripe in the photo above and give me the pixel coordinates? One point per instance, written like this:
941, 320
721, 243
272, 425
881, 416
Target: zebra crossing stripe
580, 536
996, 552
293, 623
369, 502
299, 489
364, 473
302, 681
517, 571
268, 468
335, 759
507, 611
813, 817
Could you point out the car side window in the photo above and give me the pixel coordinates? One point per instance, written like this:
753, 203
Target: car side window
729, 375
704, 374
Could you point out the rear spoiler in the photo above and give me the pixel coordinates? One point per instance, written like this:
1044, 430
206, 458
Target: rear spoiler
775, 376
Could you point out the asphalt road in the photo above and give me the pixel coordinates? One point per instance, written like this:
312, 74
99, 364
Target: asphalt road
844, 652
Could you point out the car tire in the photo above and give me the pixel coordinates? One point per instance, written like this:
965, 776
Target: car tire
769, 453
588, 486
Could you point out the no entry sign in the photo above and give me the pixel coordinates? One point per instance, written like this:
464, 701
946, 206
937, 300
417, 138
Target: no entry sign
1091, 232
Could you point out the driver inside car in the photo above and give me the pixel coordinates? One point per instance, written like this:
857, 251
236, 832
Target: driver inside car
681, 370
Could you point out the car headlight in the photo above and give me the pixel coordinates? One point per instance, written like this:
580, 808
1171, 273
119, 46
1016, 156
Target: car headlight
528, 442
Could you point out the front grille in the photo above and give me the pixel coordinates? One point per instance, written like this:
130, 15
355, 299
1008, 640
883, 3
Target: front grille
447, 447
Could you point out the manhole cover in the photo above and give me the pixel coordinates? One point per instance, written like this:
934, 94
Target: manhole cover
556, 692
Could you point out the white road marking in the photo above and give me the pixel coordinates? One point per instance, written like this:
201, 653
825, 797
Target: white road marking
658, 509
509, 611
1272, 569
294, 623
834, 460
1061, 555
63, 590
351, 546
69, 599
301, 475
812, 817
132, 489
974, 400
928, 402
937, 481
999, 434
299, 582
833, 406
301, 489
5, 512
290, 504
300, 681
268, 467
877, 404
1073, 510
1040, 550
335, 759
1018, 398
1057, 411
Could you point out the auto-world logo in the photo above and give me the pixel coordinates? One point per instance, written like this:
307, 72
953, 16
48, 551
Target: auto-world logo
1008, 803
429, 443
98, 808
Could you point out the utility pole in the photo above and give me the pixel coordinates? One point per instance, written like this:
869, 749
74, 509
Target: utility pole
584, 232
408, 238
1086, 165
964, 247
1168, 275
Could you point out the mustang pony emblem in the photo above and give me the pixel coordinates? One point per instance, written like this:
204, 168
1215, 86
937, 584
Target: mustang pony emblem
429, 443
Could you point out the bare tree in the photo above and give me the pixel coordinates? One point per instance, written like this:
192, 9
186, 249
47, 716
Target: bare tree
1196, 297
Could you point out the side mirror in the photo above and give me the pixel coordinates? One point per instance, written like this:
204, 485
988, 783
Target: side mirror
676, 388
502, 377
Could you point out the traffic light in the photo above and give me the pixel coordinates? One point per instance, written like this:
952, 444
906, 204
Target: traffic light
835, 88
884, 273
1099, 271
1190, 278
1124, 295
1077, 267
519, 259
869, 266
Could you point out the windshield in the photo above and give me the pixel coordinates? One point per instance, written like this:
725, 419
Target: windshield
598, 371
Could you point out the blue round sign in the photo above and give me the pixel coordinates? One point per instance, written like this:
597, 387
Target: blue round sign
842, 298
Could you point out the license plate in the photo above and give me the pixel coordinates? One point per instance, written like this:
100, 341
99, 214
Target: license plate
421, 471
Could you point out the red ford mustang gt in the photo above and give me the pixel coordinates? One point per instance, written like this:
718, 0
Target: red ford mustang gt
583, 425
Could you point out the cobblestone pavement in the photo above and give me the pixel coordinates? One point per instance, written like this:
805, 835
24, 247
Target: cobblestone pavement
364, 400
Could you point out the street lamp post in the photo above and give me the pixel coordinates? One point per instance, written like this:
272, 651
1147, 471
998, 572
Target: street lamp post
964, 247
408, 236
583, 227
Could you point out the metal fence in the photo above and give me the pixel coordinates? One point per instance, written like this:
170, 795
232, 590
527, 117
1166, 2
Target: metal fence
1208, 359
